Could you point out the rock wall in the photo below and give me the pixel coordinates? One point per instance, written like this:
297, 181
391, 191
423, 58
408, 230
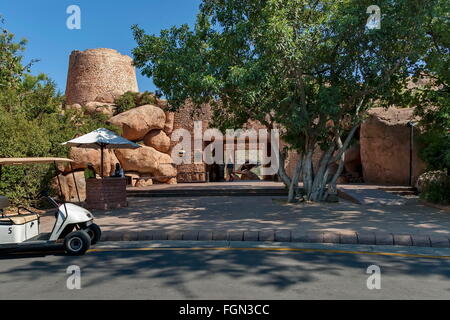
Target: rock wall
385, 147
383, 151
184, 119
99, 75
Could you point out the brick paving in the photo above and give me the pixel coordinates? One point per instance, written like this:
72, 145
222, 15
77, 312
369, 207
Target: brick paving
271, 219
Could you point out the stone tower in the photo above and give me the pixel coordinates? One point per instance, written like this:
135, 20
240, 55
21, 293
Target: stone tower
99, 75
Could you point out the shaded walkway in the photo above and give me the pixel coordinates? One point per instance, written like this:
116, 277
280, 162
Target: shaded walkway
268, 214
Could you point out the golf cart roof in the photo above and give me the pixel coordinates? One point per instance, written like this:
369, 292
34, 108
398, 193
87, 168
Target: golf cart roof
18, 161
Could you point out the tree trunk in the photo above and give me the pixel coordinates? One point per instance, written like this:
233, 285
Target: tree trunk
319, 183
317, 187
294, 182
308, 174
282, 172
332, 188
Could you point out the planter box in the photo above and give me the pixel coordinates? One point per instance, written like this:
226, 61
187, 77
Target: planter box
107, 193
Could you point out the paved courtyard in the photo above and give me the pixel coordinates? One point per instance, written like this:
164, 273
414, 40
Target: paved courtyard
263, 213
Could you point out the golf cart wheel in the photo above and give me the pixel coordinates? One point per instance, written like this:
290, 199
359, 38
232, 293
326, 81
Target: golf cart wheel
94, 232
77, 243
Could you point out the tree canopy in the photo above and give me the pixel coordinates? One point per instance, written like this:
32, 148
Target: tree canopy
309, 67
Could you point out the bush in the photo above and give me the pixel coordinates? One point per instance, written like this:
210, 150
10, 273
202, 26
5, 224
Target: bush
147, 98
126, 102
130, 100
20, 137
435, 187
40, 137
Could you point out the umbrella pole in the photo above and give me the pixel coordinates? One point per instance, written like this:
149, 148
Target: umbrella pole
101, 161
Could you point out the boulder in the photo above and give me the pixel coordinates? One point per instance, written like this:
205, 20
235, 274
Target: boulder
144, 182
172, 181
82, 156
137, 122
157, 139
170, 118
54, 185
107, 109
68, 186
148, 161
385, 147
108, 97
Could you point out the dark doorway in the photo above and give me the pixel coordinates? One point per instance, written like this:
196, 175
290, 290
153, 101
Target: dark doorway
216, 172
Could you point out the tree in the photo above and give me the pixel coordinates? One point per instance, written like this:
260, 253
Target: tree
309, 67
32, 123
11, 67
430, 92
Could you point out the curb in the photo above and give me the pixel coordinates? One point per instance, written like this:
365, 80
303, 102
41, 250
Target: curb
367, 238
434, 205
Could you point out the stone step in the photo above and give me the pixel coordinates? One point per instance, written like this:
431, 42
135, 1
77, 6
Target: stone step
401, 188
404, 193
206, 193
400, 191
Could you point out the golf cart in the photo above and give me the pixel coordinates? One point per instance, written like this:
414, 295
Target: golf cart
73, 231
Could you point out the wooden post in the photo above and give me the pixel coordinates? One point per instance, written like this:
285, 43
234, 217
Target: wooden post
75, 182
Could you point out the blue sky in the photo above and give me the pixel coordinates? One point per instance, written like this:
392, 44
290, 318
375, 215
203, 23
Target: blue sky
104, 24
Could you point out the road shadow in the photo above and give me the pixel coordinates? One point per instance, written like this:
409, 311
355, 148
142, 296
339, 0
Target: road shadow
175, 269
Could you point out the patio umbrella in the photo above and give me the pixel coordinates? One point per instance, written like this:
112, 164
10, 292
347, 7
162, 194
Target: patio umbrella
102, 139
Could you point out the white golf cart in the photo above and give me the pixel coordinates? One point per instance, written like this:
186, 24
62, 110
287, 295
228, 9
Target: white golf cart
73, 231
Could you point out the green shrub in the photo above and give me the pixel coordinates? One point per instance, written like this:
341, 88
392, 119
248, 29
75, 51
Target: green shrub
126, 102
435, 149
40, 137
437, 191
130, 100
20, 137
147, 98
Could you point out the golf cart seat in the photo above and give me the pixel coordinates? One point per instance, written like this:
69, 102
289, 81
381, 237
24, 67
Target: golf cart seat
16, 219
19, 219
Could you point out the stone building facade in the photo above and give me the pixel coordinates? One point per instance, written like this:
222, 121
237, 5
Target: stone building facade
99, 75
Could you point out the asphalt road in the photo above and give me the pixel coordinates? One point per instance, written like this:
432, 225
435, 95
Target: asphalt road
214, 271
